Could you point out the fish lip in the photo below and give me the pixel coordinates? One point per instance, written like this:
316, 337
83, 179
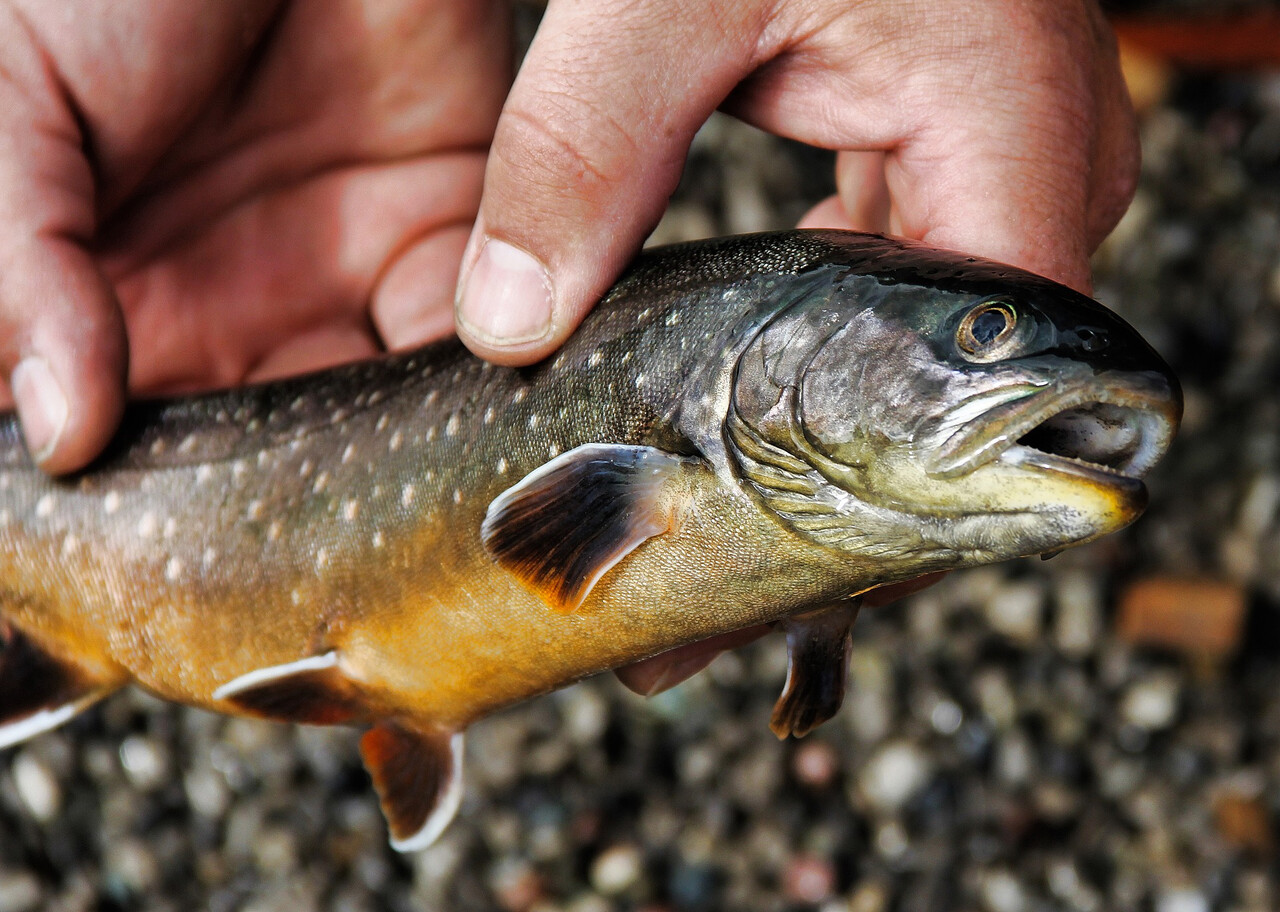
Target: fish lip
1147, 403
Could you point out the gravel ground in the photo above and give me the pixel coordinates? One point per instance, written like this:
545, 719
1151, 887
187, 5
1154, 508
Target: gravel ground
1012, 740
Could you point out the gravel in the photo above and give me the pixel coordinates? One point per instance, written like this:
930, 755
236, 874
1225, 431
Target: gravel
1003, 747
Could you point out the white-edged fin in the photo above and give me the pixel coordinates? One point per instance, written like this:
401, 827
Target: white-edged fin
17, 730
568, 522
39, 690
418, 776
275, 673
314, 690
818, 647
445, 810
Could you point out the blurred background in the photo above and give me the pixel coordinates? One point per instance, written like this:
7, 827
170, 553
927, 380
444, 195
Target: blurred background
1098, 732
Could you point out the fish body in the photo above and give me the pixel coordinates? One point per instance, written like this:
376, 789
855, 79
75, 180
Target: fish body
745, 431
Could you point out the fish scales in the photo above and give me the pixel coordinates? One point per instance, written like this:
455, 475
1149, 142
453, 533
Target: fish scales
743, 431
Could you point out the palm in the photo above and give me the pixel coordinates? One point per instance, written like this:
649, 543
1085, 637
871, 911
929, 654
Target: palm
316, 204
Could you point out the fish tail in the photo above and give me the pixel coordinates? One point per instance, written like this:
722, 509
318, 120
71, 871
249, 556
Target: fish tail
38, 690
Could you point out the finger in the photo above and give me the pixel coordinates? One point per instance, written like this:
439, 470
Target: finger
62, 338
588, 148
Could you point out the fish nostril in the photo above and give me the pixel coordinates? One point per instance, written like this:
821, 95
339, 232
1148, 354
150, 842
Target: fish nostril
1092, 340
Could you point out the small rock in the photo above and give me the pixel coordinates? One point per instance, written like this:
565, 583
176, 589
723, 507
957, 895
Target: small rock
1243, 821
894, 775
816, 764
1197, 617
1151, 703
1001, 892
617, 869
145, 762
1015, 610
1185, 899
37, 786
809, 879
19, 892
1077, 627
132, 864
515, 884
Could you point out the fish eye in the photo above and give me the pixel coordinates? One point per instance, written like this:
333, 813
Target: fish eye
989, 330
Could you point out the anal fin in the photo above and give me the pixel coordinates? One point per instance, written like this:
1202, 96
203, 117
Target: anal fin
418, 776
818, 647
312, 691
39, 691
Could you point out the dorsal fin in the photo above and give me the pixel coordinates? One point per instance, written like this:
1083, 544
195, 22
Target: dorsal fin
565, 524
418, 776
39, 691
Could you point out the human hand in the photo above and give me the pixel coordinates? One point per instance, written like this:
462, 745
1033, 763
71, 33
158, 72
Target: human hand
251, 188
999, 127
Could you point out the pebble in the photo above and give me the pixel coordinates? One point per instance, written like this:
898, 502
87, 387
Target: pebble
1198, 617
1151, 703
617, 869
1001, 892
1016, 610
145, 762
809, 879
37, 786
815, 764
1182, 900
19, 891
894, 774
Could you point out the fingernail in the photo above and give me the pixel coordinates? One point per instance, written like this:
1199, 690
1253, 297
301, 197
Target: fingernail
507, 298
41, 404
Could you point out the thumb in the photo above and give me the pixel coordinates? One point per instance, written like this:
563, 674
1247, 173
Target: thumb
587, 150
62, 337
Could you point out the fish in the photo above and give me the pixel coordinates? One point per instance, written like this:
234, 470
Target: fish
754, 430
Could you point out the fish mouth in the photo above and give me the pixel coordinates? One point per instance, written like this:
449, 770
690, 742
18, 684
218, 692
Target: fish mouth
1109, 430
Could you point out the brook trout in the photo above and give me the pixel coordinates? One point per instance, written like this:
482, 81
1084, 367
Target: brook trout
745, 431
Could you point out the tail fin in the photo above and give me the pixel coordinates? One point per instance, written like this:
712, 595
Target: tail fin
39, 691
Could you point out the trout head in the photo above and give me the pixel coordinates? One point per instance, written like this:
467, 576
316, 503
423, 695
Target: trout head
950, 417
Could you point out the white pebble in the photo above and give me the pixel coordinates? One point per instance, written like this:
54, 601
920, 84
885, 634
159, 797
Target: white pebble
1152, 702
894, 775
616, 869
37, 787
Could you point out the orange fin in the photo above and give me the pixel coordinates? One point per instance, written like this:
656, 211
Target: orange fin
313, 690
817, 665
38, 691
565, 524
418, 776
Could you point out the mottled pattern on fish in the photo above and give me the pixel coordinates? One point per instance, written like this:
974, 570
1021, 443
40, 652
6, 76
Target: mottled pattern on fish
335, 519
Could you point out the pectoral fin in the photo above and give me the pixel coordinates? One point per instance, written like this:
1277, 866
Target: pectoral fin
564, 525
818, 646
312, 691
418, 776
39, 691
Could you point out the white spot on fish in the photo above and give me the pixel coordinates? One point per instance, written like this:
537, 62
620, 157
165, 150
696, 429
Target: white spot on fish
626, 358
203, 473
431, 398
5, 518
295, 596
451, 426
553, 451
275, 530
644, 314
558, 363
406, 496
306, 468
69, 545
322, 558
375, 397
595, 359
502, 466
534, 420
383, 420
348, 453
430, 435
239, 468
457, 496
111, 502
157, 446
188, 444
45, 505
488, 413
518, 396
254, 510
378, 539
639, 379
338, 416
170, 528
208, 557
253, 426
173, 570
264, 459
147, 525
396, 439
322, 481
350, 509
429, 475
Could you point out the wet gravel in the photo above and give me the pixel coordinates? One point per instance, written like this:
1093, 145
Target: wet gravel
1003, 748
